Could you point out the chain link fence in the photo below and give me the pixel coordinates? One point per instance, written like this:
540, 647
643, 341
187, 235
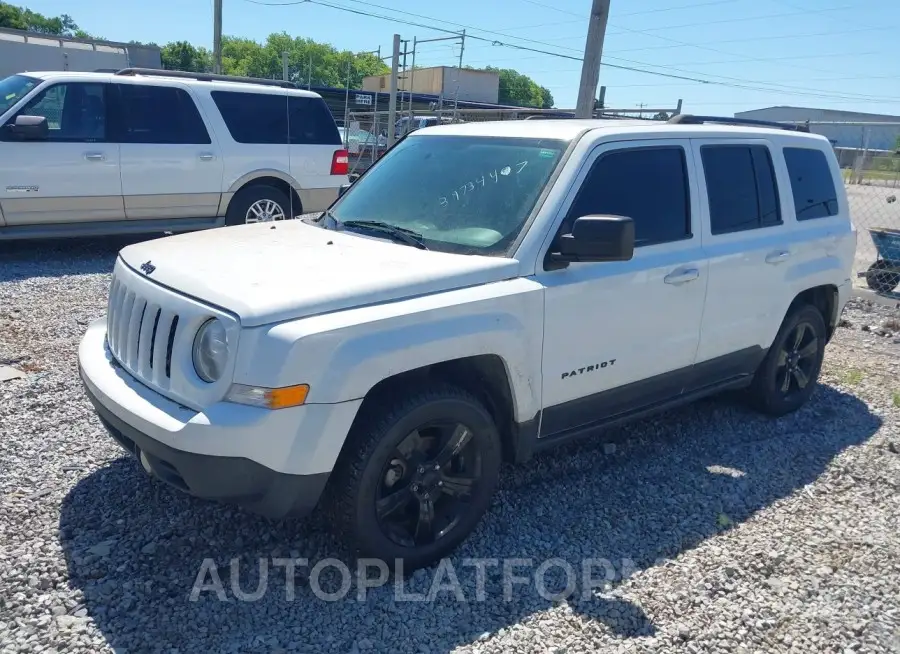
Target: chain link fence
871, 173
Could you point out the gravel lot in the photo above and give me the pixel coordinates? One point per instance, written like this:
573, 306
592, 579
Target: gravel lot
739, 533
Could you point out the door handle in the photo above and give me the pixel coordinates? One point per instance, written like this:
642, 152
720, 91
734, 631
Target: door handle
94, 156
207, 156
778, 257
682, 276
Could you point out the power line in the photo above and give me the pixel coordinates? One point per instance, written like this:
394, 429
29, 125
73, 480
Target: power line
729, 82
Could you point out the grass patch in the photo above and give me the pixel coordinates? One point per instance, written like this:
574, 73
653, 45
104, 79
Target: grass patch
895, 398
852, 377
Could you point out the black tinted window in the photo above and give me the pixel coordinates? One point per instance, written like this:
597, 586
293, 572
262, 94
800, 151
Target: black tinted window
311, 122
811, 183
649, 185
74, 111
254, 117
740, 185
268, 118
158, 114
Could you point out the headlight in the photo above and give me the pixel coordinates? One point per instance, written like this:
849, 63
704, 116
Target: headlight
210, 352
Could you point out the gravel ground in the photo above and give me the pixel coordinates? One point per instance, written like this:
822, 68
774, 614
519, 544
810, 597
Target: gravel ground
727, 531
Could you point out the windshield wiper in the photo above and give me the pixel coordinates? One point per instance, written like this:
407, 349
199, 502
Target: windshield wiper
407, 236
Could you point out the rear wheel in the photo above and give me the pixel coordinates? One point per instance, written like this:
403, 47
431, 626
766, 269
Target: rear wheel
258, 204
418, 476
788, 375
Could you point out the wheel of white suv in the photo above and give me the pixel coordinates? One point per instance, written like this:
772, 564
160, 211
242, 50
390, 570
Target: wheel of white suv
416, 477
788, 374
258, 204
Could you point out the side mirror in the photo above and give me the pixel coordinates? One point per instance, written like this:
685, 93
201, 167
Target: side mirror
343, 189
596, 238
29, 128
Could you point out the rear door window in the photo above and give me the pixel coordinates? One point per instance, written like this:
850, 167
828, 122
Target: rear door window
158, 114
740, 187
811, 183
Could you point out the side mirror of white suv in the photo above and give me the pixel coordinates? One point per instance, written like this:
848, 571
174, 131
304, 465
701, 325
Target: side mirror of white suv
596, 238
29, 128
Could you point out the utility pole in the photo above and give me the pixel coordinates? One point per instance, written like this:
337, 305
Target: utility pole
593, 51
412, 77
347, 103
392, 106
462, 47
309, 79
217, 37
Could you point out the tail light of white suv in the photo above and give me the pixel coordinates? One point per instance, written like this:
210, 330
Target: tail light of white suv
340, 163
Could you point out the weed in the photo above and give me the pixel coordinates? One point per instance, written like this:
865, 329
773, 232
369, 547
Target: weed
852, 377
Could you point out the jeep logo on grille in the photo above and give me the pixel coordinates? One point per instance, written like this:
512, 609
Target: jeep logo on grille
148, 268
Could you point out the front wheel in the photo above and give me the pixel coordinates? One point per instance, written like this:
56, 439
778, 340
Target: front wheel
418, 476
788, 375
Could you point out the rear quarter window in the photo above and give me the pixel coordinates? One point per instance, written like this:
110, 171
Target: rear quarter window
812, 184
266, 118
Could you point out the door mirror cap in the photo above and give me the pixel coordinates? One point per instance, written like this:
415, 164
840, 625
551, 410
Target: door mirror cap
343, 189
29, 128
596, 238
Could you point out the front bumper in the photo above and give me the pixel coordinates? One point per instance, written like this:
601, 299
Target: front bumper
274, 463
224, 478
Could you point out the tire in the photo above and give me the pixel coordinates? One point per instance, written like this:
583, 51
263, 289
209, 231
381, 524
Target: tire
880, 278
257, 196
380, 468
767, 391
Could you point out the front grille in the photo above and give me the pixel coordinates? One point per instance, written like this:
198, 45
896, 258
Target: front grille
141, 334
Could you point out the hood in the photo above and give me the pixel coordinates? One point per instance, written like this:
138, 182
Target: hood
266, 273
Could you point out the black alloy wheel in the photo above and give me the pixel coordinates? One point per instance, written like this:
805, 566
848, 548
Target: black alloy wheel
427, 484
787, 377
797, 360
417, 473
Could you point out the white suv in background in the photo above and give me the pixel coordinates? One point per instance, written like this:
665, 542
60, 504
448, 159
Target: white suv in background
151, 151
483, 292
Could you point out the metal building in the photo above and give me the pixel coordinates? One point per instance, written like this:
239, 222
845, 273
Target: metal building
21, 52
443, 81
854, 135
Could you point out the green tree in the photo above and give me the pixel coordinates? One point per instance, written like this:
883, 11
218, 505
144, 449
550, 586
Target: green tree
520, 90
22, 18
308, 61
181, 55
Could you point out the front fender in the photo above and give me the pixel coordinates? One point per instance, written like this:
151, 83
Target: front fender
343, 355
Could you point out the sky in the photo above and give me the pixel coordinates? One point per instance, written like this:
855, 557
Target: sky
718, 56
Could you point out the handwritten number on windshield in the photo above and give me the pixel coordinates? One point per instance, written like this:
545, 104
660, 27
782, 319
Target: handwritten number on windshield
494, 175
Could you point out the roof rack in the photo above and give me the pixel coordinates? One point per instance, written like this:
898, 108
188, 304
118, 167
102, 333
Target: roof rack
689, 119
205, 77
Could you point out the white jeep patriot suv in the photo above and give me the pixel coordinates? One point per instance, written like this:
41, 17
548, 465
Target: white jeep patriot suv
143, 151
483, 292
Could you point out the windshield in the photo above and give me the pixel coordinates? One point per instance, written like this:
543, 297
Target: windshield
13, 89
463, 194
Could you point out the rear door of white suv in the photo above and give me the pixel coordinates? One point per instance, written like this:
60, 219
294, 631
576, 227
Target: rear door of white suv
171, 165
747, 240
